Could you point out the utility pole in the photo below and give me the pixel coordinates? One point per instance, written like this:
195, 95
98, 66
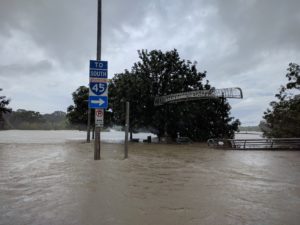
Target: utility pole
97, 128
223, 116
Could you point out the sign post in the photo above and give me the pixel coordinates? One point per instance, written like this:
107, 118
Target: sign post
98, 99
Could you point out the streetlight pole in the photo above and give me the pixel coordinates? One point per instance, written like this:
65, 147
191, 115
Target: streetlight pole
97, 128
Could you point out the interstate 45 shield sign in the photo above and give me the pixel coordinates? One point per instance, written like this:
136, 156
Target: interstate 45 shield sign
98, 85
98, 88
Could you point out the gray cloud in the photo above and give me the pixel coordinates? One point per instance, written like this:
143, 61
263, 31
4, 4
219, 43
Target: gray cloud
15, 70
240, 43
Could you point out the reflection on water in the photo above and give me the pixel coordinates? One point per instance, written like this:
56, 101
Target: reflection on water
248, 135
60, 183
61, 136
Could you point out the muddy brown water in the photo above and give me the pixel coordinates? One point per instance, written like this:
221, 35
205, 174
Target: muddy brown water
60, 183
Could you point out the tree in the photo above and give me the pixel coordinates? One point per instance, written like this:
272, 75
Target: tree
56, 120
283, 120
293, 84
26, 119
32, 120
55, 117
3, 108
156, 74
77, 114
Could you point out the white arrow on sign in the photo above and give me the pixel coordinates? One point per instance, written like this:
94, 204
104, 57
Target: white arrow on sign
100, 102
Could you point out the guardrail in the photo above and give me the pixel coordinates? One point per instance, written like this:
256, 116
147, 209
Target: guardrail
256, 144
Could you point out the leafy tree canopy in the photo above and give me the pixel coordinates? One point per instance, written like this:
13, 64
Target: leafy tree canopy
161, 73
3, 104
3, 108
283, 119
32, 120
77, 114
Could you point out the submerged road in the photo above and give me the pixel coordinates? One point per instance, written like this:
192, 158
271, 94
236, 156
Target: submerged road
60, 183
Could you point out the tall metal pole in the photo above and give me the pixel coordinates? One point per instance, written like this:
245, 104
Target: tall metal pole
97, 128
99, 29
126, 131
223, 117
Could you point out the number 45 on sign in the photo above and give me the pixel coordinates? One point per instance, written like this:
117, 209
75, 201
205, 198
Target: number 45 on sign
98, 88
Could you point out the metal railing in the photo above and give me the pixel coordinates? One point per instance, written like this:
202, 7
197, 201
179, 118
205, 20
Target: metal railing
235, 92
256, 144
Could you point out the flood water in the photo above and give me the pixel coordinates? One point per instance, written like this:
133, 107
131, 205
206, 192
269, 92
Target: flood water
50, 177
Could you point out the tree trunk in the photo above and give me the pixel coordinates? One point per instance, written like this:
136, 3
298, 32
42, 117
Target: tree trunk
93, 133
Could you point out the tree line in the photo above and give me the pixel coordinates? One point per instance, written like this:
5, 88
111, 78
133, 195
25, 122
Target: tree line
160, 73
31, 120
282, 120
28, 119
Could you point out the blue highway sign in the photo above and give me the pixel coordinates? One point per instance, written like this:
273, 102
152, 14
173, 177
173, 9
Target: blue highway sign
98, 102
98, 88
98, 73
98, 85
98, 65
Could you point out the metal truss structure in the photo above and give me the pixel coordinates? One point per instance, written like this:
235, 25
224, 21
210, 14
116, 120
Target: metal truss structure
235, 92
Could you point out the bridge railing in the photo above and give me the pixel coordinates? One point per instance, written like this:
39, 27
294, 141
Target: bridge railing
229, 92
263, 144
200, 94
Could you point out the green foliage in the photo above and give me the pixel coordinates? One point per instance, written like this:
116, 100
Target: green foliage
28, 116
283, 120
3, 104
31, 120
77, 114
28, 119
158, 74
293, 84
3, 109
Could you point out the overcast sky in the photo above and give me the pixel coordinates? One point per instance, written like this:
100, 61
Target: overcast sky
46, 45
